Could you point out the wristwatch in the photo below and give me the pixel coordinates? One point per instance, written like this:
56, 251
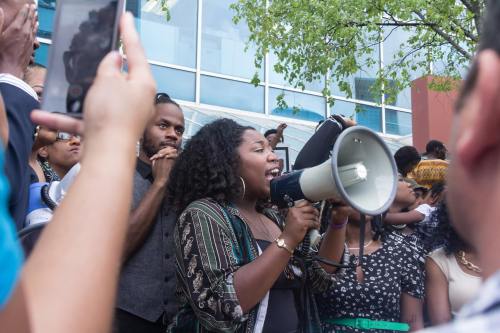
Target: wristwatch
280, 242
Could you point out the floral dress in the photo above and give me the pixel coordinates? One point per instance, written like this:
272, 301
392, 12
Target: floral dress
388, 272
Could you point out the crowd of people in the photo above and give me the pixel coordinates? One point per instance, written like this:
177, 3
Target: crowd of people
137, 231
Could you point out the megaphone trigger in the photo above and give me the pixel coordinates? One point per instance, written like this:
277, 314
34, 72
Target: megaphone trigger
289, 201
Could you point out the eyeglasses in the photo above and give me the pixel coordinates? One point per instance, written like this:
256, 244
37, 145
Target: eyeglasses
63, 136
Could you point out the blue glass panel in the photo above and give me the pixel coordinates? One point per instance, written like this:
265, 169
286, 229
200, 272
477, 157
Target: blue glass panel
300, 105
171, 41
394, 43
397, 122
232, 94
178, 84
223, 43
365, 115
369, 116
42, 54
345, 109
361, 82
46, 12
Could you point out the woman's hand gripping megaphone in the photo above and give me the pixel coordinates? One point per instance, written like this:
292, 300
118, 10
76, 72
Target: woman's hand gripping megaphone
301, 218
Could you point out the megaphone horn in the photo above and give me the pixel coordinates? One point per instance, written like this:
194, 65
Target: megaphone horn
361, 171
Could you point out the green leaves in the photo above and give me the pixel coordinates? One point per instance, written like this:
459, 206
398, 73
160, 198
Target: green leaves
163, 6
340, 38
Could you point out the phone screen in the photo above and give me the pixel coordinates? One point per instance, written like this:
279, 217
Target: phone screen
85, 31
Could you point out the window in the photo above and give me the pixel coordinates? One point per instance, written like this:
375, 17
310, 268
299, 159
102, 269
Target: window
232, 94
345, 109
46, 12
394, 44
173, 41
365, 115
369, 116
42, 54
176, 83
362, 81
397, 122
300, 105
223, 43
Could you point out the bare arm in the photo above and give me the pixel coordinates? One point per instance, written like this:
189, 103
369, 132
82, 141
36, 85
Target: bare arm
143, 218
81, 255
72, 273
332, 246
144, 215
404, 218
14, 317
4, 125
411, 312
436, 288
279, 134
255, 279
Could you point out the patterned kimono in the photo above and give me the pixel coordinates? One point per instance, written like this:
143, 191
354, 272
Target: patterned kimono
212, 242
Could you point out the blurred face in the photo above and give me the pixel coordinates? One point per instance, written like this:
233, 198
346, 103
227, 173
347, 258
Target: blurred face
164, 130
36, 79
46, 136
63, 154
258, 164
404, 196
271, 137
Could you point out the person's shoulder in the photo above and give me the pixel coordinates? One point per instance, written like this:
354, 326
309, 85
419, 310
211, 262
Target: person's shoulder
438, 253
432, 163
397, 243
208, 206
10, 84
425, 209
440, 257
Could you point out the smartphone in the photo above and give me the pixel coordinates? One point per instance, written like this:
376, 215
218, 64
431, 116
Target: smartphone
84, 32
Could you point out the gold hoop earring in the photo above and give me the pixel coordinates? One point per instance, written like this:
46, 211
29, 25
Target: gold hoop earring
244, 186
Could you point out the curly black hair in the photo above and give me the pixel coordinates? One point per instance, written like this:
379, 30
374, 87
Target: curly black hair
406, 158
208, 166
445, 235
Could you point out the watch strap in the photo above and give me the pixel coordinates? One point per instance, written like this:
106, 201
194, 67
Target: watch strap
280, 242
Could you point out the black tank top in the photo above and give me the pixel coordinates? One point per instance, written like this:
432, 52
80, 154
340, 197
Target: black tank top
282, 315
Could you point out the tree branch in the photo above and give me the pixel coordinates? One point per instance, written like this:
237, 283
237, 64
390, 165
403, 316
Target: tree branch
475, 8
446, 37
466, 32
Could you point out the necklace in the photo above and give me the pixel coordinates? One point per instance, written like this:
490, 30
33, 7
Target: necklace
470, 266
365, 246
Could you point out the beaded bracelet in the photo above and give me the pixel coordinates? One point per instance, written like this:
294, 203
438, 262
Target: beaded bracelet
339, 226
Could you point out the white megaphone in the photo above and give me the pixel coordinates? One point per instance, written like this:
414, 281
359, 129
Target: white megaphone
361, 172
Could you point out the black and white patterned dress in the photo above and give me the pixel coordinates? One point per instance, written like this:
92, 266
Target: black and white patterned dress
388, 272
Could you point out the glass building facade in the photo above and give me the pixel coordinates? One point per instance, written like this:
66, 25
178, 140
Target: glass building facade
199, 57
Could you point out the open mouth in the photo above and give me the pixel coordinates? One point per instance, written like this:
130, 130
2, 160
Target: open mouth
272, 173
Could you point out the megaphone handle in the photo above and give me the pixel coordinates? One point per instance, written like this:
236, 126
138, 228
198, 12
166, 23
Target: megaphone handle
362, 228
